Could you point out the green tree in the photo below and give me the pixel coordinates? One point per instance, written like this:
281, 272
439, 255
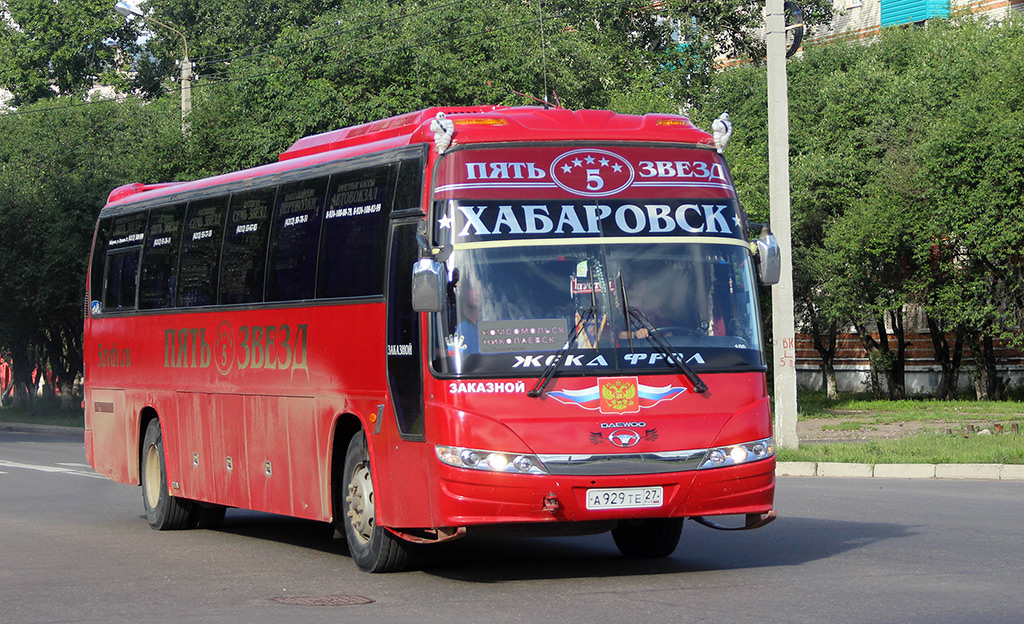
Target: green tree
50, 49
972, 156
58, 162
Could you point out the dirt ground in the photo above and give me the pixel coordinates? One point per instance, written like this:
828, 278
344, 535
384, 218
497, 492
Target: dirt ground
827, 429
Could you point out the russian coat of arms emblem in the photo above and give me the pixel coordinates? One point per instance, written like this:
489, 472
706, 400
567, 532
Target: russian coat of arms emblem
619, 395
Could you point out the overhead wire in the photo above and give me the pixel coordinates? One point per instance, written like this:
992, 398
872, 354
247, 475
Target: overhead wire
210, 80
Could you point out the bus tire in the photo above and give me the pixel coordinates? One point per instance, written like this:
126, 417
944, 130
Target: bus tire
373, 548
163, 511
655, 537
204, 516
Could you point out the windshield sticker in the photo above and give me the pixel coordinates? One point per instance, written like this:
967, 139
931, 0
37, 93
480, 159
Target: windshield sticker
617, 395
525, 335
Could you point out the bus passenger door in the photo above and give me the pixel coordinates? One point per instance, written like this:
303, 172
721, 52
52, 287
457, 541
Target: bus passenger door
404, 499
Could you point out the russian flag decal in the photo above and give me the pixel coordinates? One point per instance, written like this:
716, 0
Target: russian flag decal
617, 395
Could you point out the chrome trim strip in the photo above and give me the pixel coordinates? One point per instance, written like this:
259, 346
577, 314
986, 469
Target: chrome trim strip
623, 464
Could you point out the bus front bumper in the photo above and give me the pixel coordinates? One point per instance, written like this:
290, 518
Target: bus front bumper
471, 498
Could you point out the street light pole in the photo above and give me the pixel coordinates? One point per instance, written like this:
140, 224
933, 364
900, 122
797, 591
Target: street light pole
783, 326
127, 10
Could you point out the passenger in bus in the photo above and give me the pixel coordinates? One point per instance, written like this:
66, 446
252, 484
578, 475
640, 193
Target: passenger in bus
665, 297
467, 332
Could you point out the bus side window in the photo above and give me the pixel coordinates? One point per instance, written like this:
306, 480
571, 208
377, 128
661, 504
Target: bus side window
121, 274
294, 240
409, 184
200, 252
353, 243
121, 266
160, 258
99, 265
245, 246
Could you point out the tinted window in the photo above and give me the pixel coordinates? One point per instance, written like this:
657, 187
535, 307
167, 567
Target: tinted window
245, 246
291, 272
123, 242
200, 251
352, 245
160, 260
409, 187
404, 369
122, 270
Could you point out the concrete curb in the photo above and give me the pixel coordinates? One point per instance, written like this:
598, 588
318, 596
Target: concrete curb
49, 429
984, 472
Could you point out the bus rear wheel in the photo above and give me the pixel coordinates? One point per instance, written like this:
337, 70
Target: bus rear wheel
163, 511
373, 548
651, 538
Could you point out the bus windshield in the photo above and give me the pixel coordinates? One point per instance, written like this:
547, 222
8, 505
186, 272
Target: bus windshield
511, 308
631, 257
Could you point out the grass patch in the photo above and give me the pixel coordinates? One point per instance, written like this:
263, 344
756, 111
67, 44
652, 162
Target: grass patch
816, 405
44, 412
924, 448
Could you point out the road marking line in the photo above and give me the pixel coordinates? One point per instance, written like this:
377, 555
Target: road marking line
80, 473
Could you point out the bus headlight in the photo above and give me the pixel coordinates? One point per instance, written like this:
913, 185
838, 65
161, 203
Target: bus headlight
723, 456
490, 461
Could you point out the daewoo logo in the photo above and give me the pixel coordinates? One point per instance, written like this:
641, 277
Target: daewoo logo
624, 438
592, 172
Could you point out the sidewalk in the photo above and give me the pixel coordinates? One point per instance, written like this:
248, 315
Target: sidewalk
989, 472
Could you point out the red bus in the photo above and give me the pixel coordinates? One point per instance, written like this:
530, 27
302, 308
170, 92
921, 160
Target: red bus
450, 320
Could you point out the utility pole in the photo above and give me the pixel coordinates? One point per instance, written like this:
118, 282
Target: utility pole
128, 10
783, 326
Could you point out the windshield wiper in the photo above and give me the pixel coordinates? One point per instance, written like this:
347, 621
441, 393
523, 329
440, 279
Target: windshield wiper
556, 363
659, 340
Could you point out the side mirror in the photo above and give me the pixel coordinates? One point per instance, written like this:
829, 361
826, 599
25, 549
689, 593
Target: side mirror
769, 258
427, 286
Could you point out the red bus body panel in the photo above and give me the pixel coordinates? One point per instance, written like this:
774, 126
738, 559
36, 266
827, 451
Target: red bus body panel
249, 399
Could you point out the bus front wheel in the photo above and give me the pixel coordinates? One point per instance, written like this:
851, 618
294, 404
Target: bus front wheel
373, 548
655, 537
163, 511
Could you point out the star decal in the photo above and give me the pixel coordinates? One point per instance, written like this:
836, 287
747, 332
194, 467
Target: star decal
445, 221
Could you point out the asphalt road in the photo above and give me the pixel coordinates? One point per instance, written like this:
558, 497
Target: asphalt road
75, 548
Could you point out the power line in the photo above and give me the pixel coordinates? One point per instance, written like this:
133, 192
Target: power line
209, 80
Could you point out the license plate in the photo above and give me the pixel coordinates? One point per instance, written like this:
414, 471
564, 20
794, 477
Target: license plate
624, 498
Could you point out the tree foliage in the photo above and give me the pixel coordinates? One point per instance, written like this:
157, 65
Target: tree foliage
51, 49
57, 164
906, 173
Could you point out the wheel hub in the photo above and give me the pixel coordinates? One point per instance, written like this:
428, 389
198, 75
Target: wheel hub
360, 503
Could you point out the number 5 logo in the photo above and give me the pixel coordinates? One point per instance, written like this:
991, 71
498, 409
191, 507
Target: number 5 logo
594, 180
